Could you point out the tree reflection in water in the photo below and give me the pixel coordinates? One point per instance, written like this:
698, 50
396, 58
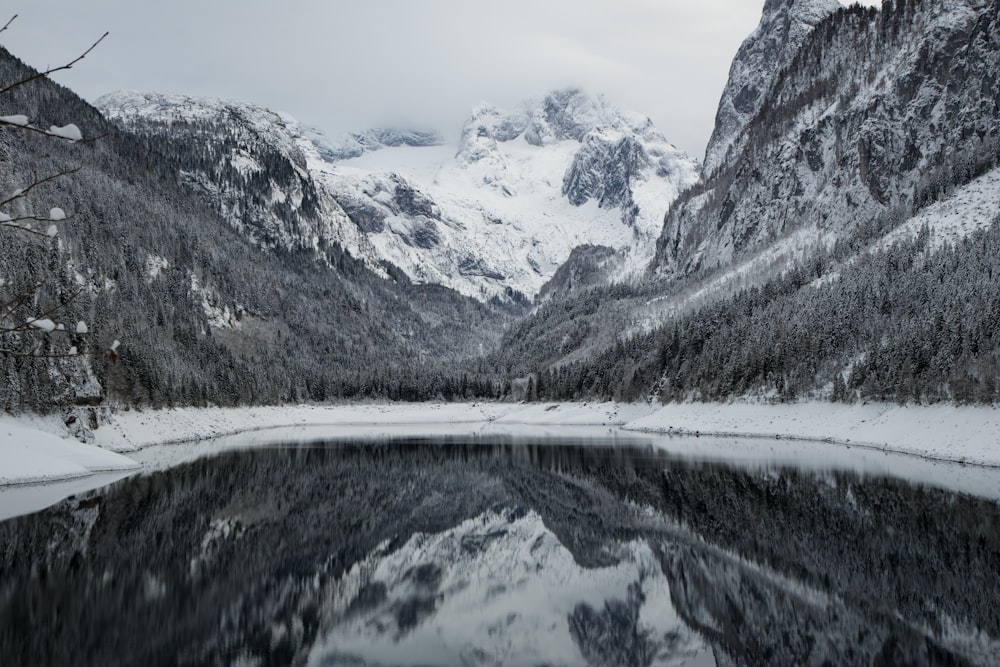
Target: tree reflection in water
489, 552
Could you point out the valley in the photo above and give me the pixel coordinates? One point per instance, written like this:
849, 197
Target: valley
497, 373
836, 244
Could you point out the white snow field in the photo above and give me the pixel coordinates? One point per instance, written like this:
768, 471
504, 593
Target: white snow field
31, 451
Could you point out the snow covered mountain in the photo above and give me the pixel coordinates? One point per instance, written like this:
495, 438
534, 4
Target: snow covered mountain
857, 199
355, 144
785, 24
204, 246
251, 164
523, 189
494, 216
878, 114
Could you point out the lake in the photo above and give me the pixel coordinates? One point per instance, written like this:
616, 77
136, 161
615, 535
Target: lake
501, 550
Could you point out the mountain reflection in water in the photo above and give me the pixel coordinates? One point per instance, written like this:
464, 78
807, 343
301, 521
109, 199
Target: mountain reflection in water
487, 553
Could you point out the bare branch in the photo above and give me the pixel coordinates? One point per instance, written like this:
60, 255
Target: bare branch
35, 354
49, 133
46, 234
26, 230
24, 191
19, 300
38, 130
58, 307
30, 218
42, 75
88, 140
22, 336
28, 328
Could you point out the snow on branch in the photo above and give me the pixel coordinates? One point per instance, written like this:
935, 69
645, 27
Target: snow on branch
20, 323
43, 323
23, 222
70, 133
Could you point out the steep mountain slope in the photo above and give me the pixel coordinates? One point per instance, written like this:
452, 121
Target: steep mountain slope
205, 313
248, 163
785, 24
847, 251
877, 114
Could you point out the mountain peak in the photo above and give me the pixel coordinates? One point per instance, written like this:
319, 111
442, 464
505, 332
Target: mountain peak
485, 127
569, 114
783, 28
128, 105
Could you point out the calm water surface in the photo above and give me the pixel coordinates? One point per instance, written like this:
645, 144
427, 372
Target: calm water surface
494, 551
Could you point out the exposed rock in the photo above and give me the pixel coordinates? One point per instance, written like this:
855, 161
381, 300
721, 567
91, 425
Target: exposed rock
878, 114
768, 50
567, 114
604, 169
485, 127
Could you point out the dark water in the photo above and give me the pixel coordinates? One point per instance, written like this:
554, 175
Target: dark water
492, 553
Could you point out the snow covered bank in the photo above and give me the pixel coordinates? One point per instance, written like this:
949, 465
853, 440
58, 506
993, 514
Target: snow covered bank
138, 429
36, 450
135, 430
966, 434
29, 454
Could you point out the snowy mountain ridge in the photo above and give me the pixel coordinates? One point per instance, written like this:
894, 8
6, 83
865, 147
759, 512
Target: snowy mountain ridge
250, 163
494, 216
523, 188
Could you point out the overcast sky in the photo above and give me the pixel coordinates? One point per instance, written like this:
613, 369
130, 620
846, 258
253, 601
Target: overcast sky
351, 64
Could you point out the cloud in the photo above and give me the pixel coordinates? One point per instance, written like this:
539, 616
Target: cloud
351, 64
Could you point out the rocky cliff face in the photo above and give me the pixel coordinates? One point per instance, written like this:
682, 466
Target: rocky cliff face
604, 169
617, 151
769, 49
877, 114
486, 128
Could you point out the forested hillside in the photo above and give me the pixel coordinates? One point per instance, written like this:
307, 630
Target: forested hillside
792, 271
203, 315
906, 324
846, 248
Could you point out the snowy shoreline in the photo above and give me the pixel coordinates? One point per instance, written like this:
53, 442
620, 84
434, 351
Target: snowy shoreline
961, 434
36, 450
